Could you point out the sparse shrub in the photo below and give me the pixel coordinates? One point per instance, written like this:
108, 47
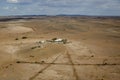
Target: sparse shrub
42, 61
92, 56
17, 61
39, 46
32, 56
54, 39
33, 47
16, 39
24, 37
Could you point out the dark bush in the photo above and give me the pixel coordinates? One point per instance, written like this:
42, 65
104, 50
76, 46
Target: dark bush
24, 37
16, 39
54, 39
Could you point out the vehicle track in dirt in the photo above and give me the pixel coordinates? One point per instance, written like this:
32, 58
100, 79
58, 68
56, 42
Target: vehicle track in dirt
33, 77
69, 64
24, 62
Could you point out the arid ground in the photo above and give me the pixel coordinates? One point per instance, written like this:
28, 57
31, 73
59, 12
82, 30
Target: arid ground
91, 53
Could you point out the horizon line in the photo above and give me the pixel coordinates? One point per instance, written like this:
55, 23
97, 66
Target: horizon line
62, 15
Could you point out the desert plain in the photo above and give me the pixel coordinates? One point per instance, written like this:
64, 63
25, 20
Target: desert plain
92, 50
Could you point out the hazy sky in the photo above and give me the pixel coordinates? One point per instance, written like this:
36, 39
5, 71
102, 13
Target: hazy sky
55, 7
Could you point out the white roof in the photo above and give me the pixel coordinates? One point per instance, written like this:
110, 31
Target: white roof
42, 41
57, 40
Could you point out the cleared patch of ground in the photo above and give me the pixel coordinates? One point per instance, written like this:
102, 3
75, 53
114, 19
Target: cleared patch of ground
15, 28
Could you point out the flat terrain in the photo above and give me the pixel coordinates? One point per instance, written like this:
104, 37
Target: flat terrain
91, 53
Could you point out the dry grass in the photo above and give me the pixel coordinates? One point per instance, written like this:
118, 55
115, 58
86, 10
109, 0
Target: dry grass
93, 52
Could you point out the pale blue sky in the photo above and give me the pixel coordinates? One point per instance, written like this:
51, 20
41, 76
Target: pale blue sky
56, 7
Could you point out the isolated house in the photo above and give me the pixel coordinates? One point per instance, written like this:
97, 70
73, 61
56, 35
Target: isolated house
58, 40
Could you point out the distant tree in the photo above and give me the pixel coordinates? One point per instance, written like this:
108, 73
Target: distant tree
54, 39
24, 37
16, 39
